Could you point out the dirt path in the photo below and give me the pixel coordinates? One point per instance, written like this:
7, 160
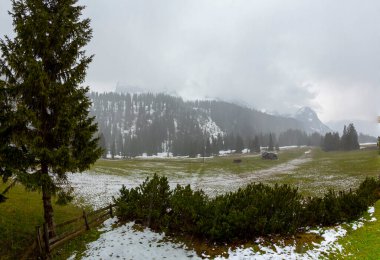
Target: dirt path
226, 182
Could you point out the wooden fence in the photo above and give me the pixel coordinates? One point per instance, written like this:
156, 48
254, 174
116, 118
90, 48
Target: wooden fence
69, 229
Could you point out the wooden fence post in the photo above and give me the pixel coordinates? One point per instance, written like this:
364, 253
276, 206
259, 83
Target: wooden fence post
39, 245
86, 220
111, 211
46, 240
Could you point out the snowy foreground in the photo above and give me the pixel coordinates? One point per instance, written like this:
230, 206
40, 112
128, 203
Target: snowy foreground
125, 242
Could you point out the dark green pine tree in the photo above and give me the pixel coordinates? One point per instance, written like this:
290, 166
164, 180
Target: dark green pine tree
45, 128
113, 147
331, 142
344, 141
270, 145
352, 137
103, 145
239, 144
208, 149
251, 145
257, 144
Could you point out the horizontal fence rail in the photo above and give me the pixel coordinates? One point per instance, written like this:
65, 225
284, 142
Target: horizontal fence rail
69, 229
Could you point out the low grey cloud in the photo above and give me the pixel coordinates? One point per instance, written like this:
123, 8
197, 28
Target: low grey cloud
274, 55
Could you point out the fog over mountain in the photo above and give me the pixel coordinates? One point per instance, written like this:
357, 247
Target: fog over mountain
272, 55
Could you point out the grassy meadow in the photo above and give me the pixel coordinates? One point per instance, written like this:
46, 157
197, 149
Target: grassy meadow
363, 243
206, 166
332, 170
314, 173
20, 215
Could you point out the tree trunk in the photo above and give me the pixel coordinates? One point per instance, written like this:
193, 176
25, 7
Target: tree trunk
48, 208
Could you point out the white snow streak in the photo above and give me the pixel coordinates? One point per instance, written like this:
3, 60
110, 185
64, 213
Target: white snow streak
127, 243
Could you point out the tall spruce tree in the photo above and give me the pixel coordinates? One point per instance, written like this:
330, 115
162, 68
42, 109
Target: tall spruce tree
352, 137
331, 142
239, 146
256, 142
270, 145
345, 139
45, 128
102, 144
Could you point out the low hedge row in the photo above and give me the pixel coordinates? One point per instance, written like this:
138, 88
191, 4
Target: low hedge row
252, 211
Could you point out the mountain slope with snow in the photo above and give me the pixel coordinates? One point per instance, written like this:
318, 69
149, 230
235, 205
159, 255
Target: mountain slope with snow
310, 120
133, 124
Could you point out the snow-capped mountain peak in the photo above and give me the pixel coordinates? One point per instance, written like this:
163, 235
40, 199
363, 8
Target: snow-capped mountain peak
310, 119
306, 114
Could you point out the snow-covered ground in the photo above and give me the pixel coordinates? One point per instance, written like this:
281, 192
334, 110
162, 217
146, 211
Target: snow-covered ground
126, 242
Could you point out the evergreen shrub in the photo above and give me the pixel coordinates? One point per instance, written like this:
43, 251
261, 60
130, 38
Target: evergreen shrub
147, 203
247, 213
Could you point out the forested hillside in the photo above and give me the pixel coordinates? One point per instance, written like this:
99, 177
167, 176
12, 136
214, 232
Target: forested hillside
133, 124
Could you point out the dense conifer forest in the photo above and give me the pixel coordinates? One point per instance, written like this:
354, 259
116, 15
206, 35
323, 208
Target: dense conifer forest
133, 124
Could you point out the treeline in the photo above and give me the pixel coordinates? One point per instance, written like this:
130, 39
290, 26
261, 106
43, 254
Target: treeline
253, 211
348, 141
204, 145
130, 125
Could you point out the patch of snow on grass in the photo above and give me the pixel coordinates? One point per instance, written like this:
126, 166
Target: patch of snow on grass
158, 155
287, 147
278, 251
125, 242
356, 225
225, 152
97, 189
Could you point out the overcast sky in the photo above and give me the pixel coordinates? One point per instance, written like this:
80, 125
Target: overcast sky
273, 55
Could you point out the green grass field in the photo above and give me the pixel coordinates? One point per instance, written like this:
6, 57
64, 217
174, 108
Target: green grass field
20, 215
363, 243
187, 166
314, 174
332, 170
